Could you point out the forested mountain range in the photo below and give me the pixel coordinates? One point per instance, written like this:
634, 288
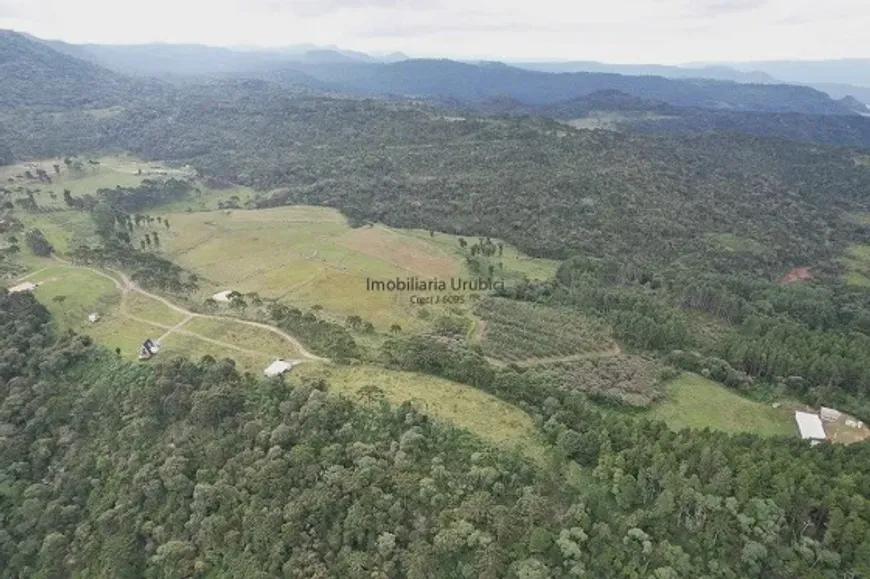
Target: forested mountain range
199, 60
625, 112
846, 70
449, 79
475, 82
837, 78
36, 76
548, 188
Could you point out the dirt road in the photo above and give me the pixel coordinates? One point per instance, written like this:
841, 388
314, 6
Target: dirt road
126, 285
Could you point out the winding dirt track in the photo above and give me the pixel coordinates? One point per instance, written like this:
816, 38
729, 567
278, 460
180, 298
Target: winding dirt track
126, 285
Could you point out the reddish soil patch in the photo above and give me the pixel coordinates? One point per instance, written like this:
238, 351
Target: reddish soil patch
797, 274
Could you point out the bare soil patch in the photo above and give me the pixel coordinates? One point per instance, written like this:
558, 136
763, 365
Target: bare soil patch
797, 274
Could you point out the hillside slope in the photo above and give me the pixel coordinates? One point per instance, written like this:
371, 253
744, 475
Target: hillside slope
34, 75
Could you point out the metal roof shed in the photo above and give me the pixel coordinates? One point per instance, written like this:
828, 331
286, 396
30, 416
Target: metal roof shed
277, 368
811, 427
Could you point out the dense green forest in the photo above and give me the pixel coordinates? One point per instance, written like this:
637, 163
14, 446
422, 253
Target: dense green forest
624, 112
36, 76
550, 190
188, 469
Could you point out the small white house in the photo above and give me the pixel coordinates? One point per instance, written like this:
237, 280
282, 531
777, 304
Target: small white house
94, 318
223, 297
830, 415
811, 427
279, 367
149, 349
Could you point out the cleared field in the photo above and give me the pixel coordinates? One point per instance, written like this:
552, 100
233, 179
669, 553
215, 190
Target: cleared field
104, 173
462, 406
144, 307
857, 262
520, 331
209, 199
695, 402
516, 264
64, 229
308, 256
194, 348
71, 295
248, 337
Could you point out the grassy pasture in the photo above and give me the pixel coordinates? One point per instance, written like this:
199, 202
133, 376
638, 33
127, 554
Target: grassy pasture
85, 292
519, 331
248, 337
194, 348
857, 262
481, 414
146, 308
208, 199
111, 172
308, 256
516, 264
63, 229
695, 402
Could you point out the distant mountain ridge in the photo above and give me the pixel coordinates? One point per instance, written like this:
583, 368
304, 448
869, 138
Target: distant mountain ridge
35, 75
336, 69
634, 114
843, 85
201, 60
477, 82
38, 76
719, 72
851, 71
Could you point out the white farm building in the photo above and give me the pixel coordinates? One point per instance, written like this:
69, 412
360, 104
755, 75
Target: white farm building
223, 297
811, 427
279, 367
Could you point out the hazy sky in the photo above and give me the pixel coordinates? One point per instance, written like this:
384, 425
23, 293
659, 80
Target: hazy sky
663, 31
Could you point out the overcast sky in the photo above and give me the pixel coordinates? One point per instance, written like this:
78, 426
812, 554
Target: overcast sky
626, 31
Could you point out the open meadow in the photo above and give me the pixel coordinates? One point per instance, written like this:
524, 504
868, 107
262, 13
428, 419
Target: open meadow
695, 402
480, 413
857, 263
309, 256
47, 179
72, 294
